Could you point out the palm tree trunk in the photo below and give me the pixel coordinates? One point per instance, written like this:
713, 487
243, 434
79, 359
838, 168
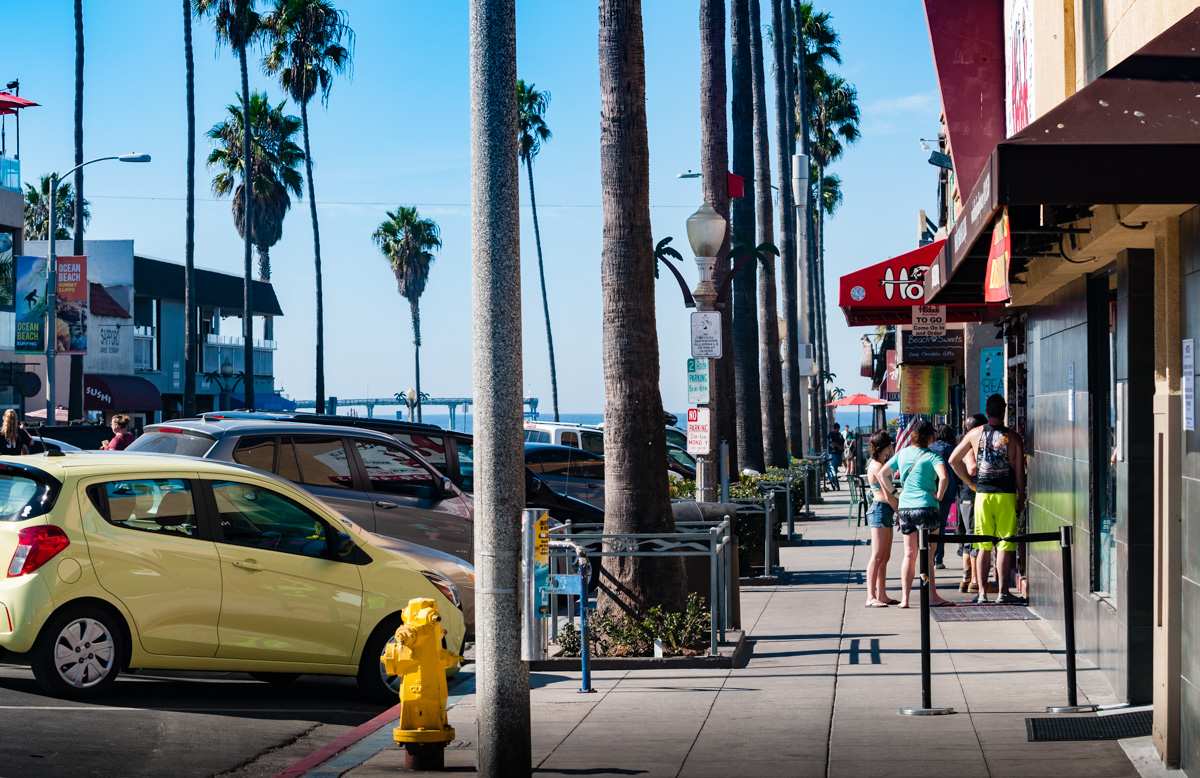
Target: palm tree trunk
189, 230
818, 284
75, 391
635, 451
312, 210
745, 303
785, 142
714, 166
264, 274
247, 262
537, 237
769, 369
415, 306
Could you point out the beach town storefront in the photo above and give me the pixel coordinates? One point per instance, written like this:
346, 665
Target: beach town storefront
1075, 137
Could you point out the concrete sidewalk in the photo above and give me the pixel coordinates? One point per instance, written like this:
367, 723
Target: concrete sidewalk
819, 697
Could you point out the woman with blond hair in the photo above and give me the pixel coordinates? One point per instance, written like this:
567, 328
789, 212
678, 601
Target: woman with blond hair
880, 520
14, 439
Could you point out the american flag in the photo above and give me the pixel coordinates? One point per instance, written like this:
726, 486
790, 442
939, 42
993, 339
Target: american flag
906, 433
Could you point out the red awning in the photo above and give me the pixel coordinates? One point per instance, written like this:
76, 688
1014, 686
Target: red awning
119, 393
9, 100
885, 293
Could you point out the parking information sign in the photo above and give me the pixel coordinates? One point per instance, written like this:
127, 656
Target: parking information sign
698, 431
706, 335
697, 382
929, 321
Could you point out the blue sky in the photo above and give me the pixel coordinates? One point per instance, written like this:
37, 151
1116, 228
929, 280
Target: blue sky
397, 132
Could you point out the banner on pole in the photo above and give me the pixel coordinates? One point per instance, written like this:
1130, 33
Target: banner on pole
71, 322
30, 301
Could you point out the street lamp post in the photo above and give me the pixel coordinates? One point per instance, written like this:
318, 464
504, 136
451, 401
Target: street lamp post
51, 296
800, 199
226, 380
706, 233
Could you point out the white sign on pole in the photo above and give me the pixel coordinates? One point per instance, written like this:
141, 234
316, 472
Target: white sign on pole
698, 432
929, 321
697, 381
706, 335
1189, 385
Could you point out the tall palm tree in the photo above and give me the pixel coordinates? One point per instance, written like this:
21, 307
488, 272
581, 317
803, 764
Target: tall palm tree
75, 382
745, 286
408, 242
714, 166
37, 210
770, 376
189, 226
276, 171
782, 43
306, 52
532, 132
635, 450
237, 25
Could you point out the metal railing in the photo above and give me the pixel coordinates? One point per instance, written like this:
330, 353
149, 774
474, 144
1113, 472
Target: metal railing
10, 174
691, 539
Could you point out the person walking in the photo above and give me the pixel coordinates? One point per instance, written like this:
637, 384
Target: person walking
880, 518
999, 485
122, 436
923, 484
837, 453
14, 440
944, 441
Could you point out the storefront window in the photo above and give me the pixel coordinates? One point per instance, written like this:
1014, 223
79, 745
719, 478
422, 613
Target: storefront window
1106, 496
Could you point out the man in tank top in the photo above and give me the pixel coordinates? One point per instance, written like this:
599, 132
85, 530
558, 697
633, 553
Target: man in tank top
999, 486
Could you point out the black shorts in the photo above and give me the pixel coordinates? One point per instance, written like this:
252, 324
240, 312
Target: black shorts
913, 519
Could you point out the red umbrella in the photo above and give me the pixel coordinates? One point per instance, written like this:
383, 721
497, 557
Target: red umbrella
858, 401
9, 100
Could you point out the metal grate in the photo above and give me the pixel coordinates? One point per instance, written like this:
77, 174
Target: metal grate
1115, 727
971, 612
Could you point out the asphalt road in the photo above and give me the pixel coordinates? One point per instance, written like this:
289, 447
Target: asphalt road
156, 723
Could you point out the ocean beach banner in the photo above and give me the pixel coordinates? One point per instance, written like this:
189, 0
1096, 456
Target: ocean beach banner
30, 301
72, 320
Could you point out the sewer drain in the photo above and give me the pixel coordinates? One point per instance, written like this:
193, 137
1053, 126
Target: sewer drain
970, 612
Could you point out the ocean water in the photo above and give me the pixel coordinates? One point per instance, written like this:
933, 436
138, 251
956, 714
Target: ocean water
847, 417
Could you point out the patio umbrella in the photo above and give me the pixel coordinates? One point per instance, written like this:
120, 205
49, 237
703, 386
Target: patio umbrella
60, 414
857, 401
9, 100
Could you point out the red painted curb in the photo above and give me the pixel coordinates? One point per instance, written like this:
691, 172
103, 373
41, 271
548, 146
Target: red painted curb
329, 751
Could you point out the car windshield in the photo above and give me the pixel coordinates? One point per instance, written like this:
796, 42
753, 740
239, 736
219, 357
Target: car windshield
23, 495
155, 442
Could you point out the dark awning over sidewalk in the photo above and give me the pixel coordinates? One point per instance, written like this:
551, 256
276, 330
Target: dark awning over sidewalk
119, 393
1131, 136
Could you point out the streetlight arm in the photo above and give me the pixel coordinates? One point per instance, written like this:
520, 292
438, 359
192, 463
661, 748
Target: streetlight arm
61, 176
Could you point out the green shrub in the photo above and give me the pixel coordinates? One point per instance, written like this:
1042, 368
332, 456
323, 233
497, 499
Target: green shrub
683, 633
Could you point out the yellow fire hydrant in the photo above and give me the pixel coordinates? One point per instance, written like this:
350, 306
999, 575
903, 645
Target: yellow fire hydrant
418, 657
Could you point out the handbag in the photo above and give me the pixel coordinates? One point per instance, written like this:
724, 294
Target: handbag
952, 519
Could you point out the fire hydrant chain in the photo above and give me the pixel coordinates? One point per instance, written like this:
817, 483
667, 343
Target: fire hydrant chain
419, 660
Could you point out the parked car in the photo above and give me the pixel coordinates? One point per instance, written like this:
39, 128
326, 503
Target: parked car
127, 561
582, 436
680, 464
569, 471
450, 451
370, 478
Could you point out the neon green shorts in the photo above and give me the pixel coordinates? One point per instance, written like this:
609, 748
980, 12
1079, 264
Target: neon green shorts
996, 514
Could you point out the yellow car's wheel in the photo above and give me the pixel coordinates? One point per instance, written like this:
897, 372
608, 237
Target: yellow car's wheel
79, 652
373, 680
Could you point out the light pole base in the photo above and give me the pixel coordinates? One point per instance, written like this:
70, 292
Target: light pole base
1072, 708
926, 711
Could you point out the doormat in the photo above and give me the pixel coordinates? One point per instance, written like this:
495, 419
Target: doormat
1116, 727
972, 612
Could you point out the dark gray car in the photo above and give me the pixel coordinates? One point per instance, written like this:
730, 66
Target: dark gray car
370, 478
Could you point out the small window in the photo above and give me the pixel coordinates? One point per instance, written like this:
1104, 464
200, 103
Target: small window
256, 452
593, 443
432, 448
466, 464
162, 506
537, 436
392, 470
256, 517
587, 468
159, 442
24, 495
321, 461
570, 439
550, 462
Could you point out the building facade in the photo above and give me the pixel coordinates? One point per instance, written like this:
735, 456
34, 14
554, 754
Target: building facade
1075, 124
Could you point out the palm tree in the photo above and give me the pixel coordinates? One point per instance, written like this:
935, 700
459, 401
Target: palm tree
745, 303
37, 210
276, 175
237, 24
306, 52
408, 242
635, 451
770, 376
785, 141
532, 132
189, 226
714, 164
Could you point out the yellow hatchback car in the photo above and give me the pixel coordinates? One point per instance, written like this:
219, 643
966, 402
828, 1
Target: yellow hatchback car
122, 560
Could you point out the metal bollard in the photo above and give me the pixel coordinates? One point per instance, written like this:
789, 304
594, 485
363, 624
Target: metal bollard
926, 708
1068, 576
713, 584
768, 510
791, 513
724, 471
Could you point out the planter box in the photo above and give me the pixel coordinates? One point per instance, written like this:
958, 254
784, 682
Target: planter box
734, 653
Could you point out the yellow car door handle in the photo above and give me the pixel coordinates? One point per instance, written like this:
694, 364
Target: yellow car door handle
247, 564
